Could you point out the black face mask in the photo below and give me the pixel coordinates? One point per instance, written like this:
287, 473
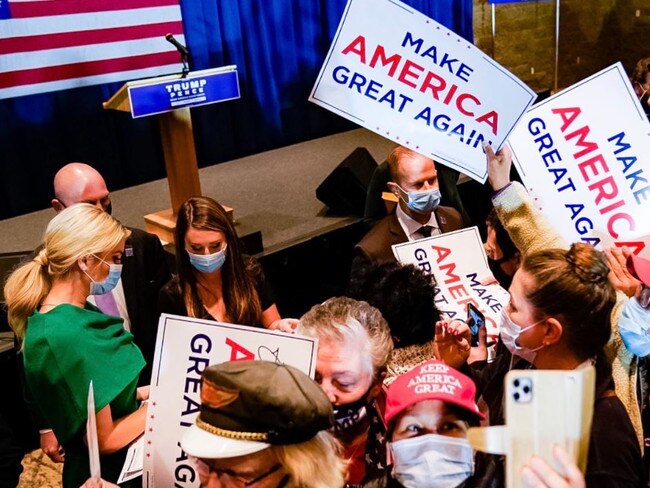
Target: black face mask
351, 419
348, 415
495, 266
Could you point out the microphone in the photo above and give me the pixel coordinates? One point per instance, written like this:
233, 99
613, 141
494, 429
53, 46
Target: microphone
181, 49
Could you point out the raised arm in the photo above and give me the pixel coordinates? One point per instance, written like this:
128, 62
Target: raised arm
529, 230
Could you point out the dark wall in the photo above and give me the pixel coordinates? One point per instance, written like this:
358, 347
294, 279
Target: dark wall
593, 35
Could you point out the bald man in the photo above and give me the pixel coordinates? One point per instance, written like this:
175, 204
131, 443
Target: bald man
145, 268
135, 298
80, 183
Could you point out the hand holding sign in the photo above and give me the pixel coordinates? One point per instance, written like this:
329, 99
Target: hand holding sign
499, 165
90, 483
285, 325
583, 155
402, 75
142, 393
459, 264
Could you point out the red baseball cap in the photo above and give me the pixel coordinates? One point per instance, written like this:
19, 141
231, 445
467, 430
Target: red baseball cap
639, 268
433, 380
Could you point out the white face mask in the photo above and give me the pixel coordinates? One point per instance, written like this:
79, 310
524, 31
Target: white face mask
432, 461
510, 332
634, 328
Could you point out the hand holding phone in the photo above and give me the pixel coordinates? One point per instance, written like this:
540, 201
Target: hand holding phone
475, 320
544, 409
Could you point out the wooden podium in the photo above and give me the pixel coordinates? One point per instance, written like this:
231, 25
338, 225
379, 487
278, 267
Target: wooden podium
170, 99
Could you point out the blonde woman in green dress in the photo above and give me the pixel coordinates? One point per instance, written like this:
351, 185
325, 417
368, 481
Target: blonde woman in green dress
67, 342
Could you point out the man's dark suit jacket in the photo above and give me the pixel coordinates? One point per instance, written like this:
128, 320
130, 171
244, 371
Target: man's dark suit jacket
145, 271
375, 247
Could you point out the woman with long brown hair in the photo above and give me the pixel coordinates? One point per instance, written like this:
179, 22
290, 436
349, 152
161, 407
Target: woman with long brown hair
215, 280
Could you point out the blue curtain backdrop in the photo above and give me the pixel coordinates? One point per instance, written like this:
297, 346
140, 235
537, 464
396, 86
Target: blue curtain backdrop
278, 46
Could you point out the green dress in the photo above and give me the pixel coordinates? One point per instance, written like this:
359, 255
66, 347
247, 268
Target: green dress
64, 349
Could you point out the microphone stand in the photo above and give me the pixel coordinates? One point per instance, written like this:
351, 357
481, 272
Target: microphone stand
183, 51
186, 68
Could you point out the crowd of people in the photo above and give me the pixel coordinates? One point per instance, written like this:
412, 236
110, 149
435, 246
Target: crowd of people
378, 412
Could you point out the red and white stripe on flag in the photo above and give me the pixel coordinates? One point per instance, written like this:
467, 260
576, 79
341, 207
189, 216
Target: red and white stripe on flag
49, 45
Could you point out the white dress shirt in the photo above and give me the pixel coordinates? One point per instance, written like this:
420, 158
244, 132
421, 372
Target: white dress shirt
411, 227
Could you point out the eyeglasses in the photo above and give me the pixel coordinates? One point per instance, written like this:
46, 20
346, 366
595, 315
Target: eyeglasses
644, 297
205, 469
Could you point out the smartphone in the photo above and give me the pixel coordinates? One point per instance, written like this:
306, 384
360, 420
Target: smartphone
475, 320
542, 408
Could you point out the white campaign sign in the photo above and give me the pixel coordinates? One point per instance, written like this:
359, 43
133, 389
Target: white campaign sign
458, 262
184, 348
402, 75
584, 154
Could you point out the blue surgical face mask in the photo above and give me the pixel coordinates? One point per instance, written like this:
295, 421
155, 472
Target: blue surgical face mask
423, 202
432, 460
208, 263
634, 327
103, 287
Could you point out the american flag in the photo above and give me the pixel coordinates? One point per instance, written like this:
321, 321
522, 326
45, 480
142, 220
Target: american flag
49, 45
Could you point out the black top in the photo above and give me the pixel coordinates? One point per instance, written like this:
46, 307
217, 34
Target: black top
643, 394
10, 456
614, 458
170, 299
145, 271
385, 480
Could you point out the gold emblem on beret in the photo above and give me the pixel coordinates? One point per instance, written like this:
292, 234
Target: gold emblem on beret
215, 396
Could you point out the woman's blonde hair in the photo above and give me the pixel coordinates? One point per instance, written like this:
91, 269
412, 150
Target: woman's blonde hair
79, 230
316, 463
341, 319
